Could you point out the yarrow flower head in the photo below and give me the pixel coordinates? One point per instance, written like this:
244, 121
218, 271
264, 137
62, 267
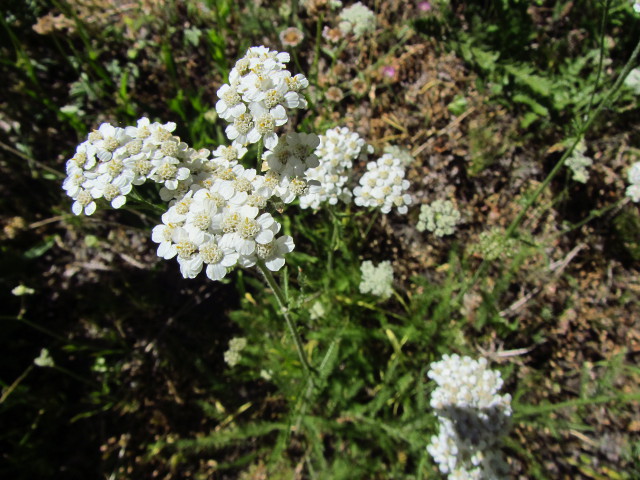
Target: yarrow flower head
377, 280
383, 186
578, 162
232, 355
219, 223
472, 417
357, 19
336, 151
259, 91
112, 160
440, 217
493, 244
633, 175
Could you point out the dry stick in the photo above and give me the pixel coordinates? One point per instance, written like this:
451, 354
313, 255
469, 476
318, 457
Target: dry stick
18, 153
518, 220
556, 268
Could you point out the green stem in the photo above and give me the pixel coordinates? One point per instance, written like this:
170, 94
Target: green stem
273, 284
594, 214
259, 155
316, 53
375, 216
530, 410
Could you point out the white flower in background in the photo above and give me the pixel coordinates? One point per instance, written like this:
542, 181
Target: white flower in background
440, 217
232, 355
336, 152
633, 175
633, 79
383, 186
578, 162
21, 290
377, 280
357, 19
44, 359
473, 418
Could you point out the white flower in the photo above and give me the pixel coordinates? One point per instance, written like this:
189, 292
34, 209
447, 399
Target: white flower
264, 123
44, 359
377, 280
240, 128
357, 19
113, 190
633, 175
336, 151
441, 218
84, 203
383, 186
578, 162
169, 171
472, 417
633, 191
107, 139
230, 104
248, 231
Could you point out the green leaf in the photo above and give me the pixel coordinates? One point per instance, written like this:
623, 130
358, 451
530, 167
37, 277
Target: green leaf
537, 108
524, 75
40, 249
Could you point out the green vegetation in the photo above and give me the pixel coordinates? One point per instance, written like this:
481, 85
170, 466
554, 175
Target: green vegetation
115, 366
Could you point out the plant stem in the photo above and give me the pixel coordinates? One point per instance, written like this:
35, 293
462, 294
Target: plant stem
273, 284
376, 213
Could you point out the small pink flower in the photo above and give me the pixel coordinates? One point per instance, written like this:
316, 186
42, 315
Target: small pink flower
389, 71
424, 6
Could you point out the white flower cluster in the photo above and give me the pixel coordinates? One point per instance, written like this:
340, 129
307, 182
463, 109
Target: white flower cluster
441, 218
383, 186
578, 163
288, 161
337, 150
218, 223
357, 19
472, 418
232, 355
113, 159
377, 280
633, 190
493, 244
254, 100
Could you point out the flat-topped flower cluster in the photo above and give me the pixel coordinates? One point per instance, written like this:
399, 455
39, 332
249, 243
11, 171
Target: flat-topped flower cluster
337, 150
254, 100
220, 221
113, 159
216, 215
383, 185
440, 217
633, 175
472, 416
